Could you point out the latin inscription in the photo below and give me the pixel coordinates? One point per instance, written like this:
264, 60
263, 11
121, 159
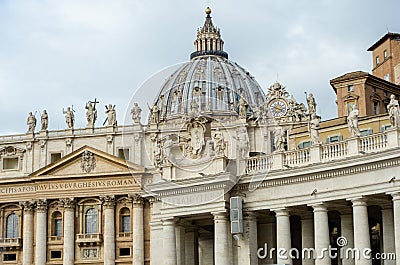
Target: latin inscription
66, 186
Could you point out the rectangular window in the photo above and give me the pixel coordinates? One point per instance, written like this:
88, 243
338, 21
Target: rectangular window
377, 60
385, 127
384, 54
374, 89
366, 132
124, 252
332, 139
10, 257
54, 157
350, 88
375, 108
126, 224
123, 153
10, 163
304, 144
387, 77
55, 254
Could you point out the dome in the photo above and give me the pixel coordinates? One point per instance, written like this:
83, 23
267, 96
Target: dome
209, 84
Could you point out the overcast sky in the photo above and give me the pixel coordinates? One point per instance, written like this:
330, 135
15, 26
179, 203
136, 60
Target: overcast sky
58, 53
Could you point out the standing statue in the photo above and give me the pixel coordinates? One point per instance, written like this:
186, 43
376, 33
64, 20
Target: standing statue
111, 115
242, 108
394, 111
194, 108
352, 122
44, 121
69, 118
313, 127
312, 105
31, 122
155, 114
157, 155
219, 143
279, 139
91, 113
136, 113
243, 142
196, 131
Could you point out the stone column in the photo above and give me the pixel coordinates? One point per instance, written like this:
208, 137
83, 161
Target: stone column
307, 236
27, 234
321, 232
169, 242
247, 251
180, 243
191, 246
41, 232
361, 230
396, 215
346, 224
69, 231
283, 236
221, 251
109, 230
138, 233
388, 232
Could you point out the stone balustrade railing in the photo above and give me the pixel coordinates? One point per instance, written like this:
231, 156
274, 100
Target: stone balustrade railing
378, 142
10, 242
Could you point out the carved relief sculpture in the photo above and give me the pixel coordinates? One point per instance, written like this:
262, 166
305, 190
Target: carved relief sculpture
352, 122
88, 161
219, 143
394, 111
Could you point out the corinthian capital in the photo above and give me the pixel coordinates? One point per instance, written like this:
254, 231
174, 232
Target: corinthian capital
41, 205
108, 201
137, 199
27, 205
68, 203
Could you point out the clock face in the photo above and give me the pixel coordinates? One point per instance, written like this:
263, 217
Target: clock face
278, 108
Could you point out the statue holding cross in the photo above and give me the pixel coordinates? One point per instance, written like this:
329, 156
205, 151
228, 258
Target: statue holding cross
91, 113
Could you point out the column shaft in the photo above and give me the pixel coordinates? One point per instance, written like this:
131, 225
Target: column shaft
388, 232
191, 247
109, 231
41, 233
361, 230
221, 251
396, 215
169, 243
69, 232
307, 238
283, 237
27, 234
247, 251
138, 234
346, 224
321, 232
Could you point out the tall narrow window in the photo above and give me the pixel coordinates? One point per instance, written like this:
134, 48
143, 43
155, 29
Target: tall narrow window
12, 226
91, 221
377, 60
125, 220
57, 222
375, 108
384, 54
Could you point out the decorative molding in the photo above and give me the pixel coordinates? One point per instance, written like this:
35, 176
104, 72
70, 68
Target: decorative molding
137, 199
68, 203
11, 151
28, 206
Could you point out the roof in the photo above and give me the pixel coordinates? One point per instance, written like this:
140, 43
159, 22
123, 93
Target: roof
388, 35
351, 75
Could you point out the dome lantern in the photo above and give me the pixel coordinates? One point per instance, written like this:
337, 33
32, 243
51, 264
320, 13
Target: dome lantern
208, 41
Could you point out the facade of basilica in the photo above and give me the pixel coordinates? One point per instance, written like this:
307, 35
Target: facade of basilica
221, 173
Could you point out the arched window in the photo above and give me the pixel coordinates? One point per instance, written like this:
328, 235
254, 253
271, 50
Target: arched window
125, 220
57, 224
12, 226
91, 221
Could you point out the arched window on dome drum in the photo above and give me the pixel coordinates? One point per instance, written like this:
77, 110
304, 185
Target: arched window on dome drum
57, 224
12, 226
125, 220
91, 221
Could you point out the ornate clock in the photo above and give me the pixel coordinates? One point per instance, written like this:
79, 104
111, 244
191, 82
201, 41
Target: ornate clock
278, 108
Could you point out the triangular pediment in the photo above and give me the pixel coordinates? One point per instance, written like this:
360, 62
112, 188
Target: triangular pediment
89, 161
